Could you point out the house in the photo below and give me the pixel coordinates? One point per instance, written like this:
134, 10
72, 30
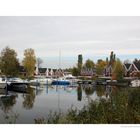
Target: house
135, 69
57, 73
127, 69
22, 71
49, 72
132, 70
88, 72
108, 71
42, 71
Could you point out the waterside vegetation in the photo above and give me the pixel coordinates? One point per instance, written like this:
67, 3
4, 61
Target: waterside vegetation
121, 108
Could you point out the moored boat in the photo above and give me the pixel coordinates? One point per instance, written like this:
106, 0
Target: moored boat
17, 84
135, 83
2, 83
38, 80
60, 82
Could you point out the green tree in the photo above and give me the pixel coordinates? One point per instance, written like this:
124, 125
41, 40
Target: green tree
29, 62
75, 71
89, 64
9, 63
118, 70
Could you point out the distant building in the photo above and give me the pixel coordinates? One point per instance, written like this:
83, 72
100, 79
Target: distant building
108, 71
22, 71
49, 72
127, 69
132, 69
88, 72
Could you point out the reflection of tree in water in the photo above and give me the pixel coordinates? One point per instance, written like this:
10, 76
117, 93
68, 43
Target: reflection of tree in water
89, 90
79, 93
7, 102
100, 90
29, 99
106, 90
122, 108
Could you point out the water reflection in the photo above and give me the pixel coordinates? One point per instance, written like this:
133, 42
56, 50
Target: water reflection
89, 89
55, 98
6, 104
79, 93
94, 93
29, 99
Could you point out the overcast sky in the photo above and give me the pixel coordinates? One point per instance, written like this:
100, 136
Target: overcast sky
94, 37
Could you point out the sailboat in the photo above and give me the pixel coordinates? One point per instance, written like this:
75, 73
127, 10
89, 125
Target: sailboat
60, 80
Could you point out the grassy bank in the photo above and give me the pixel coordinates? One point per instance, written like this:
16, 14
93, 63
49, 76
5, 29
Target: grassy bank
123, 107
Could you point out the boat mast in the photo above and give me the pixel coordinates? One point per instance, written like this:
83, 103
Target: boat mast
59, 59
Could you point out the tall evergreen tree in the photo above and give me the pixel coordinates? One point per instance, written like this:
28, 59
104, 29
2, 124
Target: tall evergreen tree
80, 62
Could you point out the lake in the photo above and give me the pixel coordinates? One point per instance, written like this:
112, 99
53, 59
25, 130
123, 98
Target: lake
40, 101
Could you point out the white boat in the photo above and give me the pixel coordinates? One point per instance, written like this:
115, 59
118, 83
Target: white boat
2, 83
38, 80
73, 80
17, 84
135, 83
16, 80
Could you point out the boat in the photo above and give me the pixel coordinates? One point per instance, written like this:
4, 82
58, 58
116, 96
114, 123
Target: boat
135, 83
40, 80
61, 82
73, 80
17, 84
2, 83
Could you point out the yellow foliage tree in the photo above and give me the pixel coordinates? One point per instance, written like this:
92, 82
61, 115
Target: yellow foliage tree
118, 70
29, 62
100, 66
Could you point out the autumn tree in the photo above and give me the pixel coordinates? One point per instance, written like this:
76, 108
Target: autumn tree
29, 62
9, 64
100, 66
89, 64
118, 70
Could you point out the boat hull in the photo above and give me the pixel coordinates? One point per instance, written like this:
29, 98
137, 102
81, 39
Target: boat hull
40, 82
60, 82
18, 87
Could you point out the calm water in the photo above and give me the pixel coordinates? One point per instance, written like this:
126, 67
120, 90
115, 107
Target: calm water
24, 108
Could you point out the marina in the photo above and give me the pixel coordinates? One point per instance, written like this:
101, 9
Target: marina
56, 73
